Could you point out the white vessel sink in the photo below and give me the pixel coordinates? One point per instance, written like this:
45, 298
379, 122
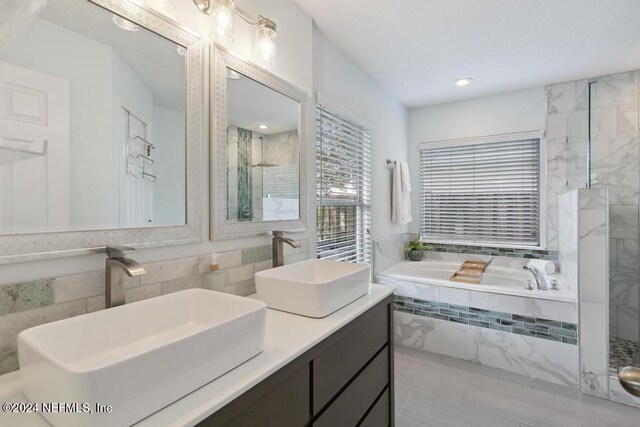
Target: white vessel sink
138, 357
314, 288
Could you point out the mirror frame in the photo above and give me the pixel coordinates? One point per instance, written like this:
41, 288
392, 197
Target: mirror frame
220, 227
35, 246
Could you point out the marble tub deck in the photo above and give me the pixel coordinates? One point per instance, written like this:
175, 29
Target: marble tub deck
442, 391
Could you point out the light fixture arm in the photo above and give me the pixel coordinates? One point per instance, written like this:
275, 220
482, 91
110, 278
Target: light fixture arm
246, 19
205, 7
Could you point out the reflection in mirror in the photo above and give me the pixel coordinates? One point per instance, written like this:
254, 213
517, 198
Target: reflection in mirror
263, 164
92, 122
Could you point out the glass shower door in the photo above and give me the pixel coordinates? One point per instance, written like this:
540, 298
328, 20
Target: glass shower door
613, 156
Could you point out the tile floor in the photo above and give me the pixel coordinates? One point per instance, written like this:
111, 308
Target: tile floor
436, 390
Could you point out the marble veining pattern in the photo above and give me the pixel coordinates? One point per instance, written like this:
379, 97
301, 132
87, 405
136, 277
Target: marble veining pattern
389, 251
534, 358
593, 252
548, 329
563, 311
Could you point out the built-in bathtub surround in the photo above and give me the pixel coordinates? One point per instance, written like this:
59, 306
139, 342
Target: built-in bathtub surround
547, 329
389, 251
28, 304
453, 329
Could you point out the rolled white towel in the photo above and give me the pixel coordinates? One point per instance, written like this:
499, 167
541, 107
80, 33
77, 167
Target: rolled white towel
544, 266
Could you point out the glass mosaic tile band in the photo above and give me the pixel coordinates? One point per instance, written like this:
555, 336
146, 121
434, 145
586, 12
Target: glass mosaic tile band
495, 251
547, 329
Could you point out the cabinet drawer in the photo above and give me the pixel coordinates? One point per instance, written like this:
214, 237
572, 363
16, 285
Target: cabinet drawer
333, 369
351, 405
286, 405
379, 414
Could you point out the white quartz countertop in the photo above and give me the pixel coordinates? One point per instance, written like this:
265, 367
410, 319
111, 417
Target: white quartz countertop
287, 336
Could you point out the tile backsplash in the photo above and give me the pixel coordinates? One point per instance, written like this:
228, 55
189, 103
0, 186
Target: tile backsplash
390, 251
27, 304
495, 251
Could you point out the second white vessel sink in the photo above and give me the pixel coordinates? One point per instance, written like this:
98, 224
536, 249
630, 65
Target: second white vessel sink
314, 288
139, 357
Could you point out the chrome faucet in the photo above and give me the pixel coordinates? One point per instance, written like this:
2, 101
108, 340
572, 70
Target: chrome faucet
540, 281
277, 245
114, 281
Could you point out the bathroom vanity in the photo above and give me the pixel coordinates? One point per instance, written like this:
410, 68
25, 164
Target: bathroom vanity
337, 370
344, 379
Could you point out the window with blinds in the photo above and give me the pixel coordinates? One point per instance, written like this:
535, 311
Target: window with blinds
487, 193
343, 191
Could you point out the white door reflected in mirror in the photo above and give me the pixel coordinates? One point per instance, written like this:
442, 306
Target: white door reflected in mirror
92, 134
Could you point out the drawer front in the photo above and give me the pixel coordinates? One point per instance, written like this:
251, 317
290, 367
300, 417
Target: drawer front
379, 414
287, 405
333, 369
352, 404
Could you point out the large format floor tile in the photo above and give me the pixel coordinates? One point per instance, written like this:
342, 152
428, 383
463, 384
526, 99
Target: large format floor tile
435, 390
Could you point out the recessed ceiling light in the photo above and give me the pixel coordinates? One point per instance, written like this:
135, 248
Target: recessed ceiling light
124, 24
465, 81
263, 127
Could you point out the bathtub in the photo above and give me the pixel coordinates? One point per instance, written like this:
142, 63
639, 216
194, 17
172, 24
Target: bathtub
496, 280
497, 323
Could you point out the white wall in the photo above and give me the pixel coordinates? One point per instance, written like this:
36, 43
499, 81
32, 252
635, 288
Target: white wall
294, 64
489, 115
45, 47
342, 82
169, 195
309, 62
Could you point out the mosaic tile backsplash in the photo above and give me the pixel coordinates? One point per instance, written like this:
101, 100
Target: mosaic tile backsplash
547, 329
495, 251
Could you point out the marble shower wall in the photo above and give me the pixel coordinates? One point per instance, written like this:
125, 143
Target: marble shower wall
27, 304
615, 152
593, 228
615, 105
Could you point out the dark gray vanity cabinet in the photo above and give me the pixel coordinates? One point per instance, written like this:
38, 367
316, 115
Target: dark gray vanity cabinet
345, 380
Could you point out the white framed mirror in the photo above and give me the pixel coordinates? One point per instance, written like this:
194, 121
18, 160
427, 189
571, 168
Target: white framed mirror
258, 168
100, 129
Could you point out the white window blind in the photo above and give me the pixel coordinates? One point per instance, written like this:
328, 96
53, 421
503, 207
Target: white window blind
485, 193
343, 190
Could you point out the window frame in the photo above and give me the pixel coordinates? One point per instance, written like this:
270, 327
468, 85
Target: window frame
544, 206
363, 231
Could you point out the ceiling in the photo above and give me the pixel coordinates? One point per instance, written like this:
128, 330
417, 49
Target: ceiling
154, 59
251, 104
416, 48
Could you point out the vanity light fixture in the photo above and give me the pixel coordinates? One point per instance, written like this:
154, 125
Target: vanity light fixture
125, 24
222, 15
465, 81
266, 43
